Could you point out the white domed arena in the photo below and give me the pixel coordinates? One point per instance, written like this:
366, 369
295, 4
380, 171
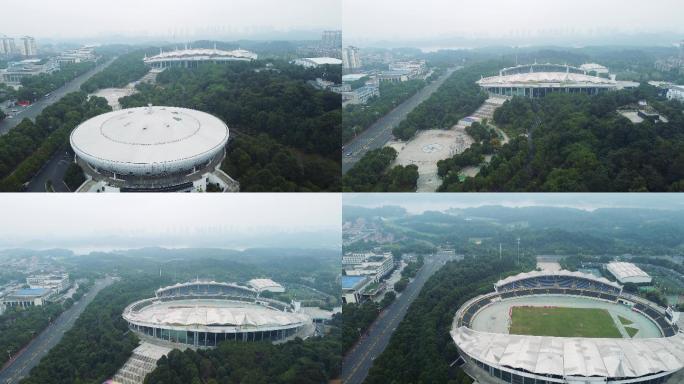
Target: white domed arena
203, 314
567, 328
153, 149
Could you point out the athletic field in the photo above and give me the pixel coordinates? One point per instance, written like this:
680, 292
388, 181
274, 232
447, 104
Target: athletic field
563, 322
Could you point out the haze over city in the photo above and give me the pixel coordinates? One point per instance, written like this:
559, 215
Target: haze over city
131, 221
496, 22
172, 20
584, 201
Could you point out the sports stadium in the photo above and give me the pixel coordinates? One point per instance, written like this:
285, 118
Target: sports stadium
191, 58
539, 80
566, 327
203, 314
152, 149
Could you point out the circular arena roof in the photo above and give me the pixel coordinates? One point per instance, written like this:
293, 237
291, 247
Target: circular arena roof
203, 313
149, 140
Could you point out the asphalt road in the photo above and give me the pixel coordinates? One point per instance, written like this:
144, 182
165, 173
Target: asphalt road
380, 132
41, 345
36, 108
358, 361
54, 171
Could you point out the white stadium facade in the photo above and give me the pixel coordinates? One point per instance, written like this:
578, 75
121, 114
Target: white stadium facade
203, 314
492, 355
539, 80
190, 58
153, 149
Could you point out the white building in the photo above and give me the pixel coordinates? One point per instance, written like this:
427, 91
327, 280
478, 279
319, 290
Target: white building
628, 273
313, 62
675, 92
374, 266
55, 282
83, 54
154, 148
351, 58
413, 68
27, 46
266, 285
190, 58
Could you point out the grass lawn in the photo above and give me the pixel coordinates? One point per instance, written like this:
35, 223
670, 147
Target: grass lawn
563, 322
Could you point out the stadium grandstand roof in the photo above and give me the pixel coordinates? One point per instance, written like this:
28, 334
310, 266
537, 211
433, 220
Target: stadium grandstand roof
625, 271
548, 77
323, 60
568, 356
202, 54
527, 275
212, 313
264, 284
203, 282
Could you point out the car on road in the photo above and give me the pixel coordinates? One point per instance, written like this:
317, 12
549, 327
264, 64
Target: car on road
348, 154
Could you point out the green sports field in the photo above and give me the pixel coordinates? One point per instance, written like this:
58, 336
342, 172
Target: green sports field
563, 322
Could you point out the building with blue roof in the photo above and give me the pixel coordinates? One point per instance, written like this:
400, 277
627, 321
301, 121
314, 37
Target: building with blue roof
28, 297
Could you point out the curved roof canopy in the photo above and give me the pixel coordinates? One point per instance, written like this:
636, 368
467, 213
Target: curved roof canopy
569, 356
531, 274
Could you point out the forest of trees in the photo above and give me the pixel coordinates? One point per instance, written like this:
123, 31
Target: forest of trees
74, 176
421, 349
261, 164
252, 100
372, 174
457, 98
125, 69
357, 118
25, 149
312, 361
580, 143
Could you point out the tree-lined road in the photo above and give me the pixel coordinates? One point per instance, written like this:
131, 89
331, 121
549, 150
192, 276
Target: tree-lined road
39, 347
380, 132
358, 361
36, 108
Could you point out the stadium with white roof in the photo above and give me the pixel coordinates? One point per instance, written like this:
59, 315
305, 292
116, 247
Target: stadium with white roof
190, 58
538, 80
490, 354
152, 148
203, 314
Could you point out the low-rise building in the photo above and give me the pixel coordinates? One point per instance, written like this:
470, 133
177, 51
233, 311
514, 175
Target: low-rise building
360, 95
266, 285
628, 273
675, 92
25, 298
373, 265
352, 288
16, 71
81, 55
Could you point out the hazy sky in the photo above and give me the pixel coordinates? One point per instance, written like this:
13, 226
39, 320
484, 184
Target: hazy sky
79, 18
408, 20
588, 201
61, 220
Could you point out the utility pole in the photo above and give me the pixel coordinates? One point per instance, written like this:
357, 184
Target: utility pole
499, 251
518, 251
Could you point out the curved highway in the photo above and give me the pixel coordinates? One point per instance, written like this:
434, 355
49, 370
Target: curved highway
380, 132
22, 364
358, 361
